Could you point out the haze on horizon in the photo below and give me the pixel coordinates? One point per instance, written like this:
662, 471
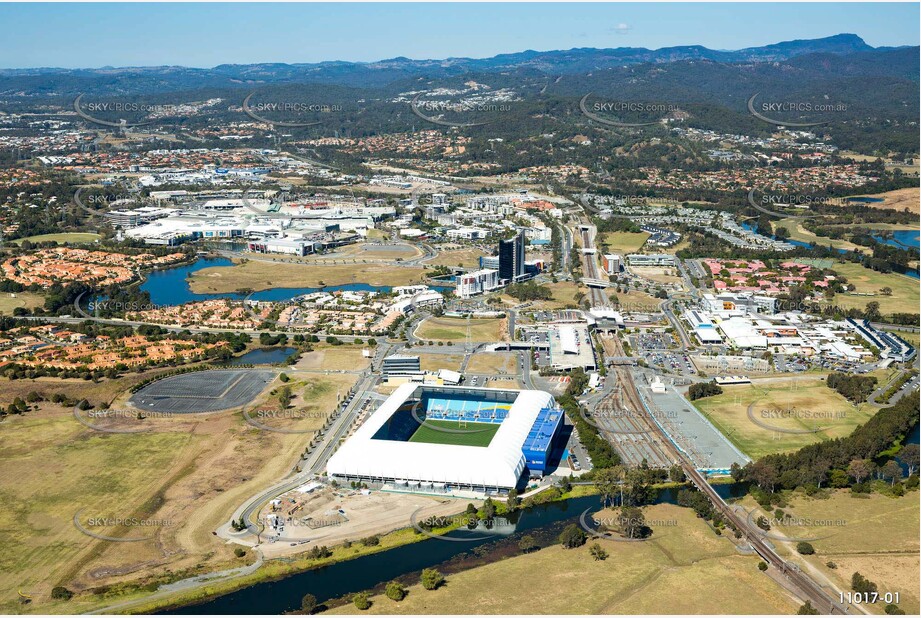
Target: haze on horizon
205, 35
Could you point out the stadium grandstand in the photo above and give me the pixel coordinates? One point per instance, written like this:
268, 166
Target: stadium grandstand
440, 439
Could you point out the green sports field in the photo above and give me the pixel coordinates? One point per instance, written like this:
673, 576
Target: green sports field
460, 434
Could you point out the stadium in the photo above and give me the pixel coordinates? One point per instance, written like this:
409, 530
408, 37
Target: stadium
442, 438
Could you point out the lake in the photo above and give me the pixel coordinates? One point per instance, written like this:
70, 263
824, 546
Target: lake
170, 286
903, 239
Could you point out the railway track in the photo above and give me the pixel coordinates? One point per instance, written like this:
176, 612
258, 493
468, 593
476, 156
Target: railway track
804, 585
643, 420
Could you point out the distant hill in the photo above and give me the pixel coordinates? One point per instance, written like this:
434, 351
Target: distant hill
51, 81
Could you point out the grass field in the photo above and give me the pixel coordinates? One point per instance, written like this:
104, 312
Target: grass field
466, 257
906, 292
9, 302
434, 362
899, 199
494, 362
657, 274
476, 434
187, 472
257, 276
623, 242
679, 571
71, 237
455, 329
635, 300
875, 535
368, 251
345, 357
810, 405
801, 234
564, 295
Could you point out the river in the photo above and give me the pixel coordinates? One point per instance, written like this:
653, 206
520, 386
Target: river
350, 576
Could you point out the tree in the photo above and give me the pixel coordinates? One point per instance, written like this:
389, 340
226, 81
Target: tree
527, 544
676, 474
610, 482
60, 593
700, 390
893, 471
308, 604
489, 509
807, 610
361, 601
395, 591
513, 500
908, 455
598, 552
859, 469
432, 579
737, 472
762, 566
861, 584
284, 396
764, 475
632, 523
371, 541
572, 536
805, 548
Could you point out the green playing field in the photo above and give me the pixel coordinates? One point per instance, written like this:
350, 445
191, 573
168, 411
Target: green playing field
452, 432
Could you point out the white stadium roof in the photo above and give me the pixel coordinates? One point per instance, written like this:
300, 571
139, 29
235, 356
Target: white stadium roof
499, 464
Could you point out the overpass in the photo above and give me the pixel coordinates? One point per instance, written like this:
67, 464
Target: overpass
620, 360
596, 283
517, 345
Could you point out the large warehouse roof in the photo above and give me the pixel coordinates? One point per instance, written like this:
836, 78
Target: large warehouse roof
499, 464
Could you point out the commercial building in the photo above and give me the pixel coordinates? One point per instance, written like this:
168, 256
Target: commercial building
492, 429
477, 282
289, 246
400, 364
740, 303
138, 216
702, 326
467, 233
511, 259
571, 347
651, 259
611, 263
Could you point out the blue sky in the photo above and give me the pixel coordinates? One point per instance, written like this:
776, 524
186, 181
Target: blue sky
204, 35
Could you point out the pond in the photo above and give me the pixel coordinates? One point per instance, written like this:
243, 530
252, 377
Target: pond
264, 356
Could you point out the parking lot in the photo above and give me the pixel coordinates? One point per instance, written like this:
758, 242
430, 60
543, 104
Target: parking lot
202, 391
660, 350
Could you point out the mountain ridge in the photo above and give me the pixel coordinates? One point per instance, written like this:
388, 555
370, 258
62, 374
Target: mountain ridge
843, 43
